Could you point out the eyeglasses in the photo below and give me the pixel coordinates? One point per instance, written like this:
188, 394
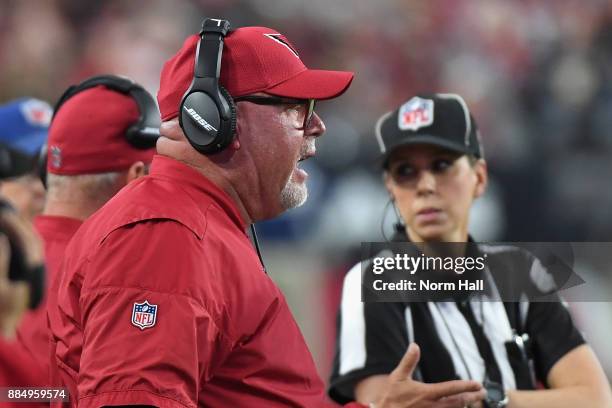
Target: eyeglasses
307, 104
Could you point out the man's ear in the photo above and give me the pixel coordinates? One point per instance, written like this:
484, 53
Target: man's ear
482, 177
235, 144
136, 170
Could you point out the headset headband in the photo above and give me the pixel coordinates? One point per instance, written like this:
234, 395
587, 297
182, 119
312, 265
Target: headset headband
210, 48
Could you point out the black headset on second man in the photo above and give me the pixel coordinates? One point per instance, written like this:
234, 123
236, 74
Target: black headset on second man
143, 134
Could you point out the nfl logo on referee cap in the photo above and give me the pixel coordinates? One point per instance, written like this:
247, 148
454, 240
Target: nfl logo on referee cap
144, 315
415, 114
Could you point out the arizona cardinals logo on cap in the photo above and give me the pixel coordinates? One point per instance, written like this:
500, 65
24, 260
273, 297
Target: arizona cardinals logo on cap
281, 39
415, 114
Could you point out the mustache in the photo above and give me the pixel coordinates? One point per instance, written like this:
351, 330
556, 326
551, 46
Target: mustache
308, 146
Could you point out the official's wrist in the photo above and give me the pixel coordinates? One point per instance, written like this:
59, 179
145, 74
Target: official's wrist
496, 395
497, 403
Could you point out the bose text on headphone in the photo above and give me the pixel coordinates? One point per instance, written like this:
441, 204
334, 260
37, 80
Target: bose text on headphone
207, 112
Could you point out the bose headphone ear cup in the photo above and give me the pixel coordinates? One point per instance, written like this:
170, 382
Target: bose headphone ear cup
199, 115
201, 106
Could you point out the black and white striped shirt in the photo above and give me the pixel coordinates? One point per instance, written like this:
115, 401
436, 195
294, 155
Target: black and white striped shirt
373, 337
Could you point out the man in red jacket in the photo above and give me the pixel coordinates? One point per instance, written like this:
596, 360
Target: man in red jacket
90, 158
164, 302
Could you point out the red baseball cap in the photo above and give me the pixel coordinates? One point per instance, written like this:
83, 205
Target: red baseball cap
255, 59
88, 134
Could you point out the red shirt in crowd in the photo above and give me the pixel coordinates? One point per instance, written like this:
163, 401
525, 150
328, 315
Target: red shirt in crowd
24, 362
163, 301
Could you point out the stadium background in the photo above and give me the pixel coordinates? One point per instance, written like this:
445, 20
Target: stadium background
537, 75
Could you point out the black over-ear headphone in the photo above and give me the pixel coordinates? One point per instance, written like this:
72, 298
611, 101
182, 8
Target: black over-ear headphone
143, 134
207, 112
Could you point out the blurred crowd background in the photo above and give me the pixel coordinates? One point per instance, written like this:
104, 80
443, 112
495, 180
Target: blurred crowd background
536, 74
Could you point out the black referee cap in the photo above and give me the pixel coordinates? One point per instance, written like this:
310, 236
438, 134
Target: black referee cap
438, 119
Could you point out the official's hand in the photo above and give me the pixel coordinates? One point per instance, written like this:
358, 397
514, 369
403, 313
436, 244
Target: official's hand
404, 392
